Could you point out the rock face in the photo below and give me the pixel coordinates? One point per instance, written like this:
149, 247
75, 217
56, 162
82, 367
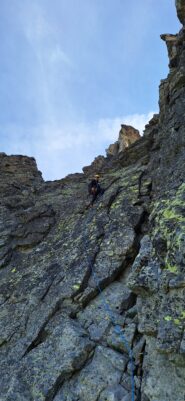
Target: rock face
127, 136
71, 276
180, 5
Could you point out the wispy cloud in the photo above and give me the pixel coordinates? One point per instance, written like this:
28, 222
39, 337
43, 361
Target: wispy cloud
34, 22
50, 59
41, 35
64, 149
57, 55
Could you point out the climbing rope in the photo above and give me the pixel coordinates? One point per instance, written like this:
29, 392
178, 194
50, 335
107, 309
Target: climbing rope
117, 328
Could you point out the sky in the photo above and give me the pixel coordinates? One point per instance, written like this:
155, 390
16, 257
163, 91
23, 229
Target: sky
73, 71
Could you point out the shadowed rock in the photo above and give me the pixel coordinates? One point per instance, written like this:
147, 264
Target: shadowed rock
180, 5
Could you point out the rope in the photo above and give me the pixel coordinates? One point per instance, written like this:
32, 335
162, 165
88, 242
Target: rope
117, 328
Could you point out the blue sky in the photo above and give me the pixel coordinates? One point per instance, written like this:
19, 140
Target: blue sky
72, 71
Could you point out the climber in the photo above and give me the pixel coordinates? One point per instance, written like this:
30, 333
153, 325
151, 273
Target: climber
94, 188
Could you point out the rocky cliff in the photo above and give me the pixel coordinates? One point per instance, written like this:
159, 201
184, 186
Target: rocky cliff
57, 331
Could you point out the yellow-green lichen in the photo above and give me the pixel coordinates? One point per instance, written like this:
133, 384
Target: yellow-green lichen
177, 318
169, 223
177, 321
169, 214
168, 318
172, 269
76, 286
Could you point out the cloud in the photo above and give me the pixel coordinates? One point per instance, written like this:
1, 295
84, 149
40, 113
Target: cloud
34, 22
111, 127
63, 149
41, 34
58, 55
50, 59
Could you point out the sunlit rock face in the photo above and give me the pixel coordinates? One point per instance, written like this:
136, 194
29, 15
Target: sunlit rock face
57, 331
127, 136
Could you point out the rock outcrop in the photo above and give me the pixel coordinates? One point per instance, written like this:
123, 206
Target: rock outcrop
127, 136
58, 337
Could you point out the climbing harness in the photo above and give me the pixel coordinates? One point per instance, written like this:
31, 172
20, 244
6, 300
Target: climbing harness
117, 328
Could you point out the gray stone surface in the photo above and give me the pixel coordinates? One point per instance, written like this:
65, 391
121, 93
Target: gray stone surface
103, 371
115, 299
64, 347
159, 373
113, 393
122, 342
